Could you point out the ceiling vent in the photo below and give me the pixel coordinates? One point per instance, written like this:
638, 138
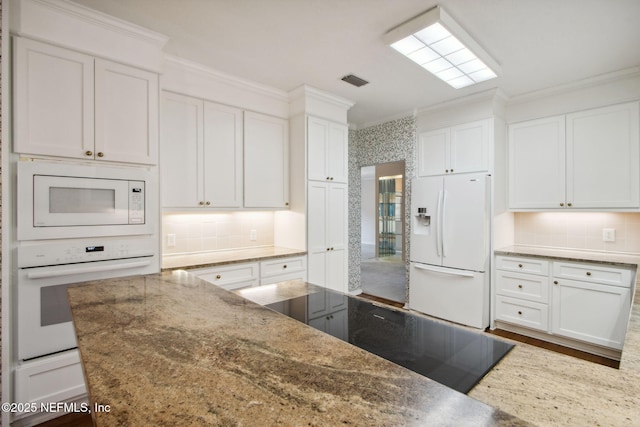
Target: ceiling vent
354, 80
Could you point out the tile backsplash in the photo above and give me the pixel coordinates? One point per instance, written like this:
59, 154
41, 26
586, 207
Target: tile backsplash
578, 230
200, 232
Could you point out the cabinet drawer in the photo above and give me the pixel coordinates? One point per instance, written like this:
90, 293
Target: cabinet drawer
524, 313
526, 286
231, 277
277, 267
523, 265
593, 273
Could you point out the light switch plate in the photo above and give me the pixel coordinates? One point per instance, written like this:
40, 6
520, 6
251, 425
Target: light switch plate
171, 240
608, 234
253, 235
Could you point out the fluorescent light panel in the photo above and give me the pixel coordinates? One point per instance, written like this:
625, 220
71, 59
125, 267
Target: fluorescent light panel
429, 41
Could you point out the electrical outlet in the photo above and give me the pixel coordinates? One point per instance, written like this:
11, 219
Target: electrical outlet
171, 240
253, 235
608, 234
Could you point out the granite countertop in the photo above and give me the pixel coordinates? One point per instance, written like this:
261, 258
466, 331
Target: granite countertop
170, 349
620, 259
212, 259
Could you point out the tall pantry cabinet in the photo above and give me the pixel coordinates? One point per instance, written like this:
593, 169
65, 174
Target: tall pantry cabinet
319, 135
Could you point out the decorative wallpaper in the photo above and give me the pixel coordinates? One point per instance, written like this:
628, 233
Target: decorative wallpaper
387, 142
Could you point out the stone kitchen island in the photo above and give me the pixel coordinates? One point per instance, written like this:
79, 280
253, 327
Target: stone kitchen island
171, 349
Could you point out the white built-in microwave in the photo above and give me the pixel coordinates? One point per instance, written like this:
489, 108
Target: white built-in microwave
64, 200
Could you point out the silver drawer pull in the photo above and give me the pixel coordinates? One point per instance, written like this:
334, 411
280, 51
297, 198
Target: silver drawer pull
218, 276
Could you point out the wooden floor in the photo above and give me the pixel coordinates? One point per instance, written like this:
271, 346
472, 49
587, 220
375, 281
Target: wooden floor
557, 348
382, 300
70, 420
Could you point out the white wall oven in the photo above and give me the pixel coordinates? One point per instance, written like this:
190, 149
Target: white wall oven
46, 270
62, 200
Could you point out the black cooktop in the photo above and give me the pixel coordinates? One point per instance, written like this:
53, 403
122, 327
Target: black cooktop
451, 355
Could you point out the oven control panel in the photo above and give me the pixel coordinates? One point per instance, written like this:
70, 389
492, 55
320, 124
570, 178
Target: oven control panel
85, 250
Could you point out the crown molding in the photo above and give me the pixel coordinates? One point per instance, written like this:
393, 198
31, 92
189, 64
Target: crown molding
226, 78
320, 95
70, 25
601, 79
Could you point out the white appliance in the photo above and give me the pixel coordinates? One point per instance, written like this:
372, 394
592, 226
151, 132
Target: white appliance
449, 252
48, 367
63, 200
45, 270
76, 222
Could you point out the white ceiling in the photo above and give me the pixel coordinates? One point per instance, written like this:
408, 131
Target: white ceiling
286, 43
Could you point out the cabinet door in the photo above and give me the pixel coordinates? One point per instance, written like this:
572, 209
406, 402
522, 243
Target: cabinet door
337, 157
336, 275
317, 233
181, 151
222, 153
317, 142
470, 147
433, 152
537, 164
266, 161
53, 100
603, 152
337, 220
590, 312
126, 113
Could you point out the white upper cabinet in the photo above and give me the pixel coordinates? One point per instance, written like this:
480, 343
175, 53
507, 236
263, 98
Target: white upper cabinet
603, 157
327, 145
266, 161
201, 153
589, 159
72, 105
537, 163
222, 155
457, 149
126, 113
53, 100
180, 147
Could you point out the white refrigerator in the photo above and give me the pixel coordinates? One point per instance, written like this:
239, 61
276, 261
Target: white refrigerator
449, 247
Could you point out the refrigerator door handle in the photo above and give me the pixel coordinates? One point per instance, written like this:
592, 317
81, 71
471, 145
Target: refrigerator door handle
463, 273
438, 224
443, 215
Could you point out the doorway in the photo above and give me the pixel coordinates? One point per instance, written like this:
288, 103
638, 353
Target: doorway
382, 264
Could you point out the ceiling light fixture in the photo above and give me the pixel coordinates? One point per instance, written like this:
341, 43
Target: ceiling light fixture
436, 42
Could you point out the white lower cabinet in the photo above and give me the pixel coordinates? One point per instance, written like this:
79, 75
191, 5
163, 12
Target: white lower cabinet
230, 277
594, 309
281, 269
243, 275
57, 378
578, 304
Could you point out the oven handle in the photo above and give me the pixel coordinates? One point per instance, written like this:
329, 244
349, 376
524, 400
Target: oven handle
80, 270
